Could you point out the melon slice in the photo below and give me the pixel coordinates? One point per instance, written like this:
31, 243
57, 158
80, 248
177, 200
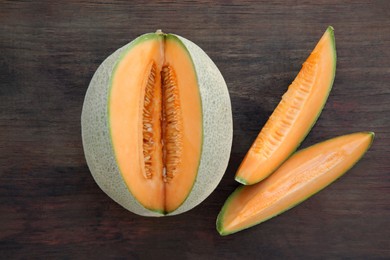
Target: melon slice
304, 174
294, 116
157, 125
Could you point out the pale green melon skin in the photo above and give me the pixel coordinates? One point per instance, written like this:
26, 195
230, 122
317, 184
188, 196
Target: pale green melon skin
217, 130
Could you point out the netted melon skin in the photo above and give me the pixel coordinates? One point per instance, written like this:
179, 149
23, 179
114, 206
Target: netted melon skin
217, 132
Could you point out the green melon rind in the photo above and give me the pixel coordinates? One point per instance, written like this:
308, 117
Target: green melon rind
221, 215
330, 30
220, 218
217, 130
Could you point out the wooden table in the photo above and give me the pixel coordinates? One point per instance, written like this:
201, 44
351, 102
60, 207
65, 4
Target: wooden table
50, 206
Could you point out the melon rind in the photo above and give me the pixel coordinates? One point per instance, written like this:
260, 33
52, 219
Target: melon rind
217, 130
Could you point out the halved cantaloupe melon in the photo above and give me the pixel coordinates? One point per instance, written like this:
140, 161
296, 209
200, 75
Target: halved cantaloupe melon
157, 125
304, 174
295, 115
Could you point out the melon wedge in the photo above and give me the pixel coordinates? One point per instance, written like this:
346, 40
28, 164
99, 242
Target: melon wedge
157, 125
304, 174
294, 116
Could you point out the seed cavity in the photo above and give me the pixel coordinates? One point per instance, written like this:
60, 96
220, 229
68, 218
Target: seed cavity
286, 113
147, 121
170, 121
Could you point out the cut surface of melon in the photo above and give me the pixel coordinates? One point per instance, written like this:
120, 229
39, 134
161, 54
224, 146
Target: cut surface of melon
304, 174
295, 114
155, 119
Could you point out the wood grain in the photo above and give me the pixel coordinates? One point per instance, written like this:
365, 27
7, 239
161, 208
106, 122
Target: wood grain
51, 207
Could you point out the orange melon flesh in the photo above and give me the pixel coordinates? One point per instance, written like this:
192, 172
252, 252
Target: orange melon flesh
138, 138
178, 188
294, 116
304, 174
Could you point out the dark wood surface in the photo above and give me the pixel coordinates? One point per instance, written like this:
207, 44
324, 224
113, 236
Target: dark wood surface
50, 205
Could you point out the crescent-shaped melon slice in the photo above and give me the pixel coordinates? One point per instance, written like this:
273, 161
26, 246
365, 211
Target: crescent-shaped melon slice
301, 176
294, 116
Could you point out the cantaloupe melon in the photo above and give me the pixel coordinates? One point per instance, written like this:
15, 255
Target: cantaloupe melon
294, 116
157, 125
302, 175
